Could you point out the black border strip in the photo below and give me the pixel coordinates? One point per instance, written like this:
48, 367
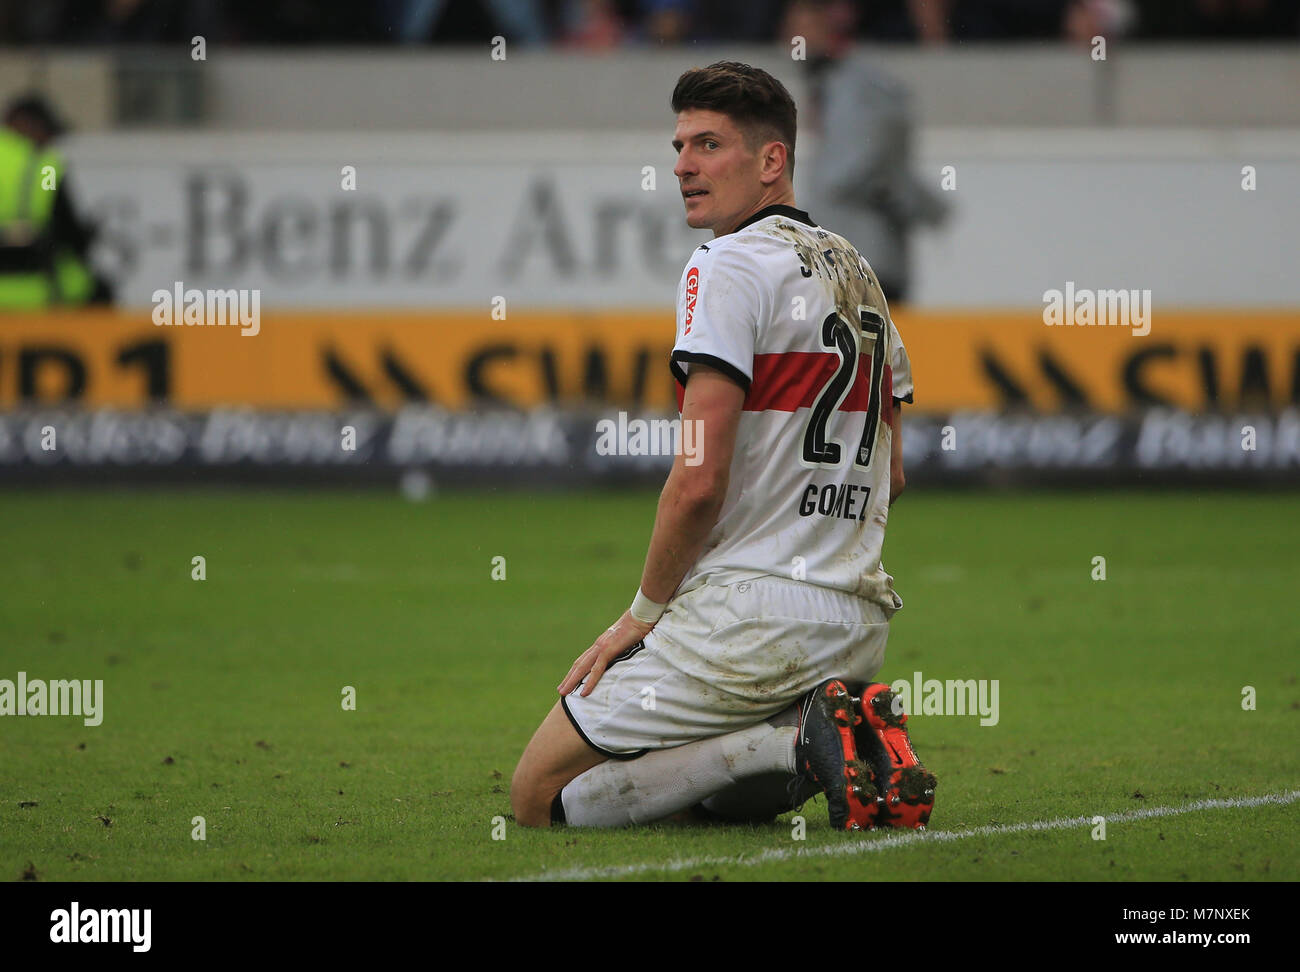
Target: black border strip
693, 357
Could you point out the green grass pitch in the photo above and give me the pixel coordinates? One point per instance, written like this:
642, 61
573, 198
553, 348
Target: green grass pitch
223, 696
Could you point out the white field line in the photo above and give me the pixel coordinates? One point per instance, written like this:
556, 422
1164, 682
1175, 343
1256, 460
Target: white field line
905, 839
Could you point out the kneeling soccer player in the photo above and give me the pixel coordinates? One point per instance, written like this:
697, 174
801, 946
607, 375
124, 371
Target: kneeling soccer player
739, 681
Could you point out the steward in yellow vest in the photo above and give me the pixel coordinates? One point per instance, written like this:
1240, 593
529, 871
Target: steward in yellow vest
42, 243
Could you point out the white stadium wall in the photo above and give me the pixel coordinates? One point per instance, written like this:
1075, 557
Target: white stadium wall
557, 220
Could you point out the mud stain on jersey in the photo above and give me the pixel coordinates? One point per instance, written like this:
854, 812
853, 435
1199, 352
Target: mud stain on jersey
833, 259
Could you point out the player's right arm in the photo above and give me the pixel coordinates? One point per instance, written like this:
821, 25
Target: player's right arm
722, 298
689, 506
696, 489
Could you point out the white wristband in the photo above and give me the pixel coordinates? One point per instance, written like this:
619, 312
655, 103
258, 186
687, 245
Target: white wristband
645, 610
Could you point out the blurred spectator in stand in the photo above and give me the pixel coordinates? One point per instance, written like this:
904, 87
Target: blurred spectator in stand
43, 242
665, 21
942, 21
861, 180
931, 20
521, 22
1088, 19
593, 25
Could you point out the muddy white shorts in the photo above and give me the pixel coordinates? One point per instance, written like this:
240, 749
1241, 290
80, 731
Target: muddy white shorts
724, 657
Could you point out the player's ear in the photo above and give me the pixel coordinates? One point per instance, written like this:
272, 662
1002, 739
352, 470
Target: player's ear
774, 158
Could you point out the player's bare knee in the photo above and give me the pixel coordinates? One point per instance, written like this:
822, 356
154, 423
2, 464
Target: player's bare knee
531, 809
528, 802
525, 815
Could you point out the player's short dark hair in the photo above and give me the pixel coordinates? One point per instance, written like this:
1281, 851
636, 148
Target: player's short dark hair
758, 103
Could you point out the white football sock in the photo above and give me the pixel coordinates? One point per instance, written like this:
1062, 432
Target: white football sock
660, 783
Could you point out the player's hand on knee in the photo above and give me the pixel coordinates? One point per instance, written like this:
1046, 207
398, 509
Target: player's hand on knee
591, 664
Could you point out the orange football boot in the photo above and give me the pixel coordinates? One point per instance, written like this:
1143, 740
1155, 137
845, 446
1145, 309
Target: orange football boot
906, 787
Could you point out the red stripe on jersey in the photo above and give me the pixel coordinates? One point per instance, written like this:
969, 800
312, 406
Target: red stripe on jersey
792, 380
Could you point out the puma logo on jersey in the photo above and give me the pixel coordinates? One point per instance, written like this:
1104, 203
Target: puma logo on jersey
692, 292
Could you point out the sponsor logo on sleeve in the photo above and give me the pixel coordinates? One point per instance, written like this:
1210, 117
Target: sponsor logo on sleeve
692, 292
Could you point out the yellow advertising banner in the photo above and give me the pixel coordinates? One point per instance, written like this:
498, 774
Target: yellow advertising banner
960, 360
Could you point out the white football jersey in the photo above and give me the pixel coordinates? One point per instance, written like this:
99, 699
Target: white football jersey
795, 315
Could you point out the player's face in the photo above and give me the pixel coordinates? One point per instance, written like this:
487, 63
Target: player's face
718, 173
